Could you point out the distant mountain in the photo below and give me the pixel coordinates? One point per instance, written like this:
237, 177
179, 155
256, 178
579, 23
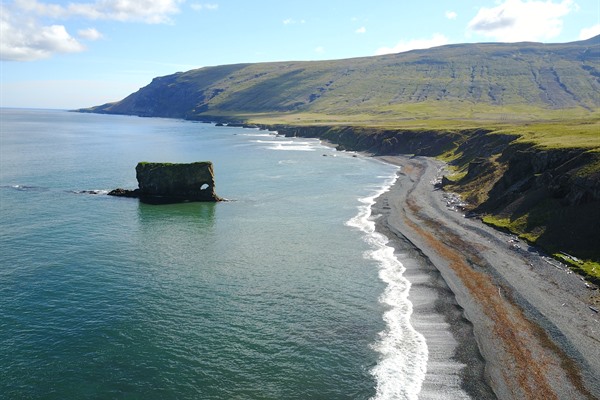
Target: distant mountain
437, 81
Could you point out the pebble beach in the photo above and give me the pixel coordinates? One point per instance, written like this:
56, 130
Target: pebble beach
524, 326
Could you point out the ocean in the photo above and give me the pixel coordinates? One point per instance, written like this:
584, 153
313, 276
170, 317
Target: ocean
283, 292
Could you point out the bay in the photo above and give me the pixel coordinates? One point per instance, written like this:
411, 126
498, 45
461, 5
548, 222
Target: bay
267, 296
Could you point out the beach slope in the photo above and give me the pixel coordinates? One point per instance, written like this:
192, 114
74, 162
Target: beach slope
534, 321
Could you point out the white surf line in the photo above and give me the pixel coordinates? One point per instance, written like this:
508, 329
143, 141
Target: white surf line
402, 367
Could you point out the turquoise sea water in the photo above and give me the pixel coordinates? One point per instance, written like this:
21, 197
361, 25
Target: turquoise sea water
276, 294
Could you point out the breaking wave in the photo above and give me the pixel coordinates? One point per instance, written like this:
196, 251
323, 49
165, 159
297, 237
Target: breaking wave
403, 352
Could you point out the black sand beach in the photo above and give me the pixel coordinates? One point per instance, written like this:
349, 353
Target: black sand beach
524, 326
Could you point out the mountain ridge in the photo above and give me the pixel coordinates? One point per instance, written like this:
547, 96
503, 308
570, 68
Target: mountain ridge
489, 75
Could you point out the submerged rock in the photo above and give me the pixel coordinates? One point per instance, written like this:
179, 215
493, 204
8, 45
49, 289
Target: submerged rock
163, 183
120, 192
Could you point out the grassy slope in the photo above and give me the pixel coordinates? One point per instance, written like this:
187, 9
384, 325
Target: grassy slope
498, 82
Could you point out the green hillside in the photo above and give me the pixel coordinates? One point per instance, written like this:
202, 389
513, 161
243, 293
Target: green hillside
490, 82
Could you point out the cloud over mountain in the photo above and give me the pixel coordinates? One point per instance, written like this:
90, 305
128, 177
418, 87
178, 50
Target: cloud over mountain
518, 20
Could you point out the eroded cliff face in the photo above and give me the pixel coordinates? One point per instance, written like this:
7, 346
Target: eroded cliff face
552, 196
549, 196
161, 183
562, 174
378, 141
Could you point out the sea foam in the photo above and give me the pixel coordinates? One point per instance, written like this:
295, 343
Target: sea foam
290, 145
403, 352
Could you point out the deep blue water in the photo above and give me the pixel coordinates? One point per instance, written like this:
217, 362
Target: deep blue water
273, 295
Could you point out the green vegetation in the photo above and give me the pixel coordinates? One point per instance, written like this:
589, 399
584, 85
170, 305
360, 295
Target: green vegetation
593, 168
587, 268
518, 226
457, 175
458, 86
474, 190
155, 163
565, 133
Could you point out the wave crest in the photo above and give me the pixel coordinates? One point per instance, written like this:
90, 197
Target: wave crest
402, 367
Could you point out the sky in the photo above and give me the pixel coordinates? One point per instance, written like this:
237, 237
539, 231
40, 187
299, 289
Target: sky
74, 54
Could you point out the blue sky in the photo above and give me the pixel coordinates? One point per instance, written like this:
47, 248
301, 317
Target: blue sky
71, 54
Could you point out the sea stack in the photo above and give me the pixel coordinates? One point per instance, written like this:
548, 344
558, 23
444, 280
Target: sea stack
164, 183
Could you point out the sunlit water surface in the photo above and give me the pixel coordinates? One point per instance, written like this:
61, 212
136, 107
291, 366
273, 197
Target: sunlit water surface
276, 294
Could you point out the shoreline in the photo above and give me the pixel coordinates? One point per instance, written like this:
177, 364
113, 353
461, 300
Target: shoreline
535, 335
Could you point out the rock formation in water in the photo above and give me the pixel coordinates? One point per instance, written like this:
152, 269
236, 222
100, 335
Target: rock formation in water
163, 183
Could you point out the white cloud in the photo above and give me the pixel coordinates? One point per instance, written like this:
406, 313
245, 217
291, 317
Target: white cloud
89, 34
588, 33
148, 11
291, 21
205, 6
320, 50
32, 6
451, 15
23, 39
362, 29
436, 40
522, 20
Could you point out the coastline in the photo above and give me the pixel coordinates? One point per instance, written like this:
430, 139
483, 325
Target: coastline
535, 334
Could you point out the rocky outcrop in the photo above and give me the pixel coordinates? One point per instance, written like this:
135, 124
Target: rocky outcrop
555, 192
560, 172
163, 183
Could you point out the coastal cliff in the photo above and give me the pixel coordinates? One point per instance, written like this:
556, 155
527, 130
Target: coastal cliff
549, 197
161, 183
